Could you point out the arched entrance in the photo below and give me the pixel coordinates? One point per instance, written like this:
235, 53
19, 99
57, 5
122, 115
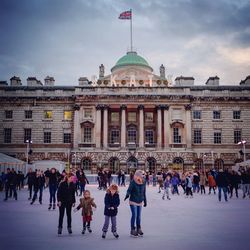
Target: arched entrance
178, 164
86, 165
199, 164
219, 164
132, 164
151, 165
114, 165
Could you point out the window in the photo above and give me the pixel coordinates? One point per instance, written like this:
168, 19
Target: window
236, 115
237, 136
149, 136
66, 137
217, 137
67, 115
197, 136
86, 165
216, 115
87, 135
132, 135
47, 114
8, 114
27, 134
115, 136
47, 136
115, 117
88, 113
28, 114
132, 116
196, 114
7, 135
149, 116
177, 137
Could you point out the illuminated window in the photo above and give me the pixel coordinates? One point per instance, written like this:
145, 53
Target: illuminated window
47, 114
132, 116
115, 117
67, 115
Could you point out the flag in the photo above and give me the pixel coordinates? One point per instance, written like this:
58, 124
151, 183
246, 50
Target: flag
126, 15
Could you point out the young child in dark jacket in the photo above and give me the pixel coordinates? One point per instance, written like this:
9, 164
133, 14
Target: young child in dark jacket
86, 203
112, 202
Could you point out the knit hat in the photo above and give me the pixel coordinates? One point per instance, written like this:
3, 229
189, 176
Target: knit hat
138, 173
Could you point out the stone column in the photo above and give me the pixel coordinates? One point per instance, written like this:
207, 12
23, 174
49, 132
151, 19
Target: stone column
188, 108
105, 126
141, 124
123, 126
159, 126
166, 126
77, 128
98, 126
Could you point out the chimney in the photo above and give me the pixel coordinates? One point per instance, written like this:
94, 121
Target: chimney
15, 81
32, 81
83, 81
184, 81
213, 81
49, 81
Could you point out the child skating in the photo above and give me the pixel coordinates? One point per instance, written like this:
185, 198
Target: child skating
167, 185
112, 202
86, 203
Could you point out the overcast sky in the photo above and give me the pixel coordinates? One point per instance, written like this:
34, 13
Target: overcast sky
67, 39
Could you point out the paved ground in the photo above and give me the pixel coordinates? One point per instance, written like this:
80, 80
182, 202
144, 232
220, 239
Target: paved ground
179, 224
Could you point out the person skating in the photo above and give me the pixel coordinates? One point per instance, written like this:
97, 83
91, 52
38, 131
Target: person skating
10, 183
65, 201
175, 182
222, 183
52, 188
202, 183
167, 185
39, 183
160, 183
234, 183
137, 196
189, 185
112, 202
82, 182
86, 203
31, 178
211, 183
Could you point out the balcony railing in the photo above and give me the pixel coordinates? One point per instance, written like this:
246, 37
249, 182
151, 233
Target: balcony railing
149, 145
177, 145
114, 145
86, 145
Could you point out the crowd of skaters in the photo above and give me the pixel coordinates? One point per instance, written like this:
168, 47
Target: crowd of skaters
64, 187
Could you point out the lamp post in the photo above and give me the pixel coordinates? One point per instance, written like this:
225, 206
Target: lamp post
28, 142
204, 168
243, 143
75, 159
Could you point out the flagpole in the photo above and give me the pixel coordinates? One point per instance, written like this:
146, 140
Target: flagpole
131, 35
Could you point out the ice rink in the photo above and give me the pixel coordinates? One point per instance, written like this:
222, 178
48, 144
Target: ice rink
201, 223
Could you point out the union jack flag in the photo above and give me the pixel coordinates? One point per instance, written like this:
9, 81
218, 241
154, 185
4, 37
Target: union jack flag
126, 15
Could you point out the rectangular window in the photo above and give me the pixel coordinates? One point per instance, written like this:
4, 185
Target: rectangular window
197, 136
47, 136
236, 115
87, 135
88, 113
8, 114
115, 136
237, 136
149, 136
217, 137
216, 115
149, 116
7, 135
27, 134
177, 137
196, 114
132, 116
132, 136
67, 115
28, 114
66, 137
47, 114
115, 117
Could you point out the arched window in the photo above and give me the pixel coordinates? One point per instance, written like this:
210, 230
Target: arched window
219, 164
86, 165
114, 165
132, 163
151, 164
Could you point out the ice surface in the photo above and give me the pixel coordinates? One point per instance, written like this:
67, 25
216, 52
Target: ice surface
200, 223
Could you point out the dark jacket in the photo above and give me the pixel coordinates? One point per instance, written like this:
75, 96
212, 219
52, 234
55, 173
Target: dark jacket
52, 178
31, 177
137, 192
111, 201
221, 179
39, 182
66, 192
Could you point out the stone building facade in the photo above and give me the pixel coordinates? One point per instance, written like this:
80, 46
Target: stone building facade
131, 118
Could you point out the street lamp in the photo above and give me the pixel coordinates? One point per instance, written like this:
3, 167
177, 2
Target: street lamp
28, 142
243, 143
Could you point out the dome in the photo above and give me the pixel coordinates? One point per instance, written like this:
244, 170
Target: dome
131, 58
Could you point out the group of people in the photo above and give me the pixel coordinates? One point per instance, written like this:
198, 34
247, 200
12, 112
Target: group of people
191, 182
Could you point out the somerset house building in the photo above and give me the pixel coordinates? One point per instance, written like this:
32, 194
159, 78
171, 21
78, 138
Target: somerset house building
129, 118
